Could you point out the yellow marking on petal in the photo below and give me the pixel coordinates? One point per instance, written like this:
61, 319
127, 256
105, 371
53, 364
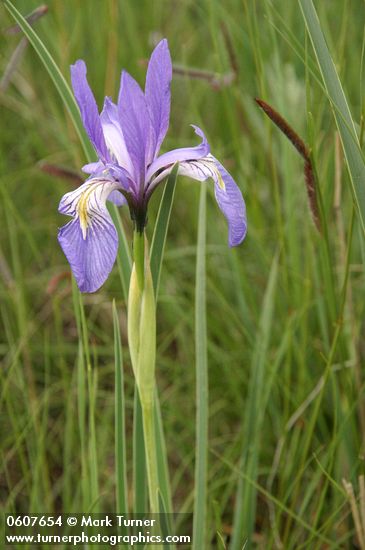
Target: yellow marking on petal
221, 183
82, 212
210, 164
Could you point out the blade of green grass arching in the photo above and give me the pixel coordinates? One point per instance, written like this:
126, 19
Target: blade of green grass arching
56, 75
92, 382
161, 227
245, 508
341, 111
124, 262
120, 439
82, 409
201, 460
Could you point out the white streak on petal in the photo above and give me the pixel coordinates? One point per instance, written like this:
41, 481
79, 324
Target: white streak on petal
113, 135
87, 203
226, 191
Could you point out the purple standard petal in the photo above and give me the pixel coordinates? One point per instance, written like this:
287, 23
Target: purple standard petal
93, 167
157, 92
88, 108
227, 194
180, 155
90, 240
109, 171
113, 135
135, 121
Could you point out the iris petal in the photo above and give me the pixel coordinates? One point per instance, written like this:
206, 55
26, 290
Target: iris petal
90, 240
180, 155
157, 92
114, 135
227, 194
88, 108
91, 259
135, 121
93, 167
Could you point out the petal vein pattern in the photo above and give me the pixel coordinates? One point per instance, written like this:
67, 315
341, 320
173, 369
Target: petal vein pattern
90, 240
226, 191
127, 137
113, 135
179, 155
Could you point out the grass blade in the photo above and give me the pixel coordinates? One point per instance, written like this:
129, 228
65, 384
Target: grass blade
201, 461
341, 111
124, 261
56, 75
139, 459
92, 377
120, 439
244, 517
163, 472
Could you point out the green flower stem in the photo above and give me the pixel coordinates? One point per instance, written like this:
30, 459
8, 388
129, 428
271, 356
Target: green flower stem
139, 256
142, 345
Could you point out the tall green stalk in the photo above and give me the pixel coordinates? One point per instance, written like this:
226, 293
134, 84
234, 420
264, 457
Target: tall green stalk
142, 345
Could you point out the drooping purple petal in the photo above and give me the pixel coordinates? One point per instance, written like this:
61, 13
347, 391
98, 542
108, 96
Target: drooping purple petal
88, 108
91, 258
227, 194
136, 124
90, 240
157, 92
180, 155
113, 135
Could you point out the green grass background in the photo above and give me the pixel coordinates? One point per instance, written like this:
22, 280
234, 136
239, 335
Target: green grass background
285, 310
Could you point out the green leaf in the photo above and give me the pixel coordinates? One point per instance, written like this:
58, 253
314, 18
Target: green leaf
156, 258
162, 466
201, 460
165, 523
161, 227
139, 459
341, 111
120, 437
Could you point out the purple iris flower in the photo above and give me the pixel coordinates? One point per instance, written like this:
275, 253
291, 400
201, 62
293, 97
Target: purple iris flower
127, 137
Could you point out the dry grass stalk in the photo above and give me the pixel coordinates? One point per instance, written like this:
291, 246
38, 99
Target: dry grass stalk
357, 509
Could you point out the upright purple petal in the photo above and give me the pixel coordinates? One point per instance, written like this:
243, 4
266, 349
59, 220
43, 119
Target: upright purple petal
227, 194
180, 155
157, 92
135, 121
88, 108
113, 135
